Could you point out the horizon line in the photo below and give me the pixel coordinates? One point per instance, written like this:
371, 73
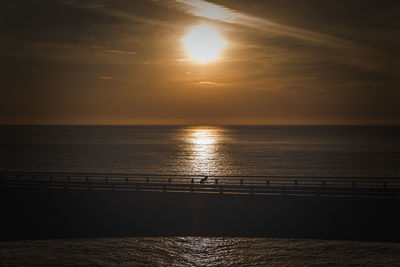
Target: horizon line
200, 124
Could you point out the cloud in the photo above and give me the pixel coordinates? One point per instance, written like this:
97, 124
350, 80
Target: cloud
105, 77
212, 84
220, 13
107, 8
118, 52
207, 83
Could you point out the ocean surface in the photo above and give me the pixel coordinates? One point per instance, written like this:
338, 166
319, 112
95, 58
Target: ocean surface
350, 151
206, 150
197, 251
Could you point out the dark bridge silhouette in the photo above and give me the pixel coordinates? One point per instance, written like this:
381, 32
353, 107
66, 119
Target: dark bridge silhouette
37, 205
244, 185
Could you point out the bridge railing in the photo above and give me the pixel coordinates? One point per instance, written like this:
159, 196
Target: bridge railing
270, 185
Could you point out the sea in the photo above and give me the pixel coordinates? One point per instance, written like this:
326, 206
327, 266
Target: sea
321, 151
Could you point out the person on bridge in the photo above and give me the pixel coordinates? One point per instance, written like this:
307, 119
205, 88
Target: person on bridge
204, 180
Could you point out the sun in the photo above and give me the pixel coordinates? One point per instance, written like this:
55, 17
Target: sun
203, 43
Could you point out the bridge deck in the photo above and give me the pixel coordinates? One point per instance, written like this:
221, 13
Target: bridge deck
249, 185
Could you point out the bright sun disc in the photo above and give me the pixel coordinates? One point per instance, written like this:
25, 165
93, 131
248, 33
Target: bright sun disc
203, 43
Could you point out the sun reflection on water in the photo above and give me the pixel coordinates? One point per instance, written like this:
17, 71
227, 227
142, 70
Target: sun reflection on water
204, 137
203, 143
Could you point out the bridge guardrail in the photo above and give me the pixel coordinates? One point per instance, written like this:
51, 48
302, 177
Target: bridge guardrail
387, 187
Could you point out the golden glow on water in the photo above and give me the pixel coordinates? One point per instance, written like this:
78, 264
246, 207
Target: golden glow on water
204, 137
203, 145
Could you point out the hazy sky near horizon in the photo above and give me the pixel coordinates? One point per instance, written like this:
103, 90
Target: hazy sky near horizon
285, 62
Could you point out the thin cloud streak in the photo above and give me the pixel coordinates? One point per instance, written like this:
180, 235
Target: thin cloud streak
118, 52
220, 13
357, 54
100, 6
204, 9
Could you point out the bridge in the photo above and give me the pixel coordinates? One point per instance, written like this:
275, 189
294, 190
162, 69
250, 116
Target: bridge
385, 187
38, 205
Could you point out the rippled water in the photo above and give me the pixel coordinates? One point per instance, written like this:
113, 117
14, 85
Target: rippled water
256, 150
234, 150
198, 251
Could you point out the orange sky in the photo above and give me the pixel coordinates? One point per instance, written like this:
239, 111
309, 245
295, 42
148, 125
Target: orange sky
112, 62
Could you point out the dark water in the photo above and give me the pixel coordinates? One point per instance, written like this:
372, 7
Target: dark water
198, 251
255, 150
252, 150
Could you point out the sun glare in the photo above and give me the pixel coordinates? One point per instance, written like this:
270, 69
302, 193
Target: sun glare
203, 43
204, 137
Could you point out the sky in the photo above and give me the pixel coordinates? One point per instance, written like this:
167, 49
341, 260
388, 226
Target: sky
125, 62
